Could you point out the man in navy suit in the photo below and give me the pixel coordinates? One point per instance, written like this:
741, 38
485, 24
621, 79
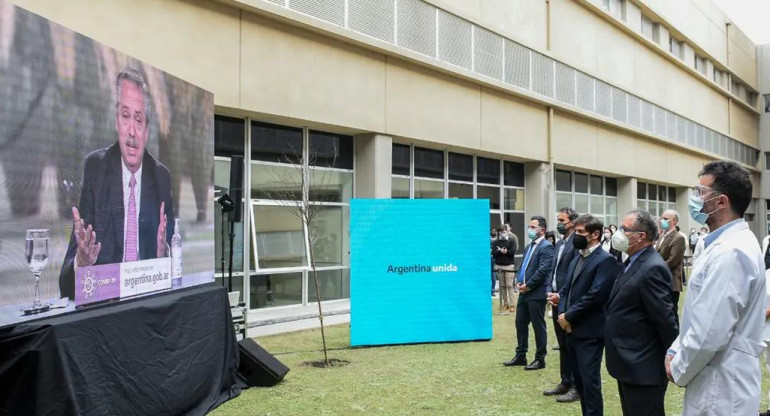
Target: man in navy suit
640, 320
565, 252
533, 282
581, 310
126, 199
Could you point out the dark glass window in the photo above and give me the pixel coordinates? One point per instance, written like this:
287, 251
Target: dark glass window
611, 186
513, 174
581, 183
641, 190
671, 194
460, 167
492, 193
428, 163
400, 159
564, 180
596, 185
652, 192
273, 143
331, 150
662, 193
229, 136
487, 170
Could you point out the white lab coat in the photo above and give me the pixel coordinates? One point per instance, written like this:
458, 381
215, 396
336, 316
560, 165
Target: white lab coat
721, 334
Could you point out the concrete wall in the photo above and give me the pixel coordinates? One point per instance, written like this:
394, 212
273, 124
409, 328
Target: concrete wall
586, 40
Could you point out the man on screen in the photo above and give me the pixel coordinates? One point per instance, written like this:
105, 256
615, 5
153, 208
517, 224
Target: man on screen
126, 200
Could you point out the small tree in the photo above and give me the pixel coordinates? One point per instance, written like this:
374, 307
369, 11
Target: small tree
304, 209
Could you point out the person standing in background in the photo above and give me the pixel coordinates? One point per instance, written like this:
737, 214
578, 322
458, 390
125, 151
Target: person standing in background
503, 251
671, 247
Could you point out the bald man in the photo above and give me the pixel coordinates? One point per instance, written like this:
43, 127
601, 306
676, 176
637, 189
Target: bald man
671, 247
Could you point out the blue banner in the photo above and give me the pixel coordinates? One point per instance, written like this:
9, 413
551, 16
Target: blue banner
420, 271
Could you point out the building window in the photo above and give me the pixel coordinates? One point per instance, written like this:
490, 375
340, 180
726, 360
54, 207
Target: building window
767, 103
289, 165
650, 30
676, 47
655, 198
700, 64
588, 194
442, 174
767, 160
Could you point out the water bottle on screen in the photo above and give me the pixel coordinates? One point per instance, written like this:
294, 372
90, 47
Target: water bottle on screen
36, 254
176, 257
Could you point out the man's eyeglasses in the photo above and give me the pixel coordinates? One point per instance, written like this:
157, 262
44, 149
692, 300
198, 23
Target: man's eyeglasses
700, 190
624, 230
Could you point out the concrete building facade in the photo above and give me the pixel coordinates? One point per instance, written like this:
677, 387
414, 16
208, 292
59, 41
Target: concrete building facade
604, 105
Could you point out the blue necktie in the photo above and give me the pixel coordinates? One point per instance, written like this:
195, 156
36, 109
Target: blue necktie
525, 263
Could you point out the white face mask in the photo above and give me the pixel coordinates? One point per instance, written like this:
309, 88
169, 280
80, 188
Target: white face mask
621, 242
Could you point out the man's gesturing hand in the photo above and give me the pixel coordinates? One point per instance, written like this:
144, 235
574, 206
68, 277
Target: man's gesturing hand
161, 252
88, 249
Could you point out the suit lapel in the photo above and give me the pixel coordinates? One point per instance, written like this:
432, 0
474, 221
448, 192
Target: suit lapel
588, 262
148, 221
115, 208
532, 258
626, 276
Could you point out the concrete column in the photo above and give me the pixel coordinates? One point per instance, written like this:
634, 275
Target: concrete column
626, 197
538, 191
373, 165
685, 220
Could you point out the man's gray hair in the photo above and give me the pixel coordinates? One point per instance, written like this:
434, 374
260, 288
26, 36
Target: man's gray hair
673, 214
135, 77
645, 223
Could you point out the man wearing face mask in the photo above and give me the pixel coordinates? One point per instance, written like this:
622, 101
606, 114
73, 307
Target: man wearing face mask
640, 319
581, 310
532, 282
565, 252
671, 247
716, 355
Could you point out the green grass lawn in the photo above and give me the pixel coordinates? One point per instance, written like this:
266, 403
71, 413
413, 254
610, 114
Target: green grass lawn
428, 379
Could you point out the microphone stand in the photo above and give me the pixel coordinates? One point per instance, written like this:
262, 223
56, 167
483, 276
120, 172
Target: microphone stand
230, 266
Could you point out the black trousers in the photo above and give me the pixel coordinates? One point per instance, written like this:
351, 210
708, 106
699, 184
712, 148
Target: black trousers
531, 311
585, 355
565, 368
675, 301
639, 400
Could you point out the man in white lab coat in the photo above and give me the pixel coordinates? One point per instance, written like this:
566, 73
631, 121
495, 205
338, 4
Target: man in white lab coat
716, 356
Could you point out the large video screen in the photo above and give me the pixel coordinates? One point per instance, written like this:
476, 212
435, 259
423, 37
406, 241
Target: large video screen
419, 271
106, 173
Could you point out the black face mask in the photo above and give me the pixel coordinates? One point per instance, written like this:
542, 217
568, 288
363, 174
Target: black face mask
561, 228
580, 241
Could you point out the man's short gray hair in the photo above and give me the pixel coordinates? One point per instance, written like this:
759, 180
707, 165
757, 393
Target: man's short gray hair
673, 214
135, 77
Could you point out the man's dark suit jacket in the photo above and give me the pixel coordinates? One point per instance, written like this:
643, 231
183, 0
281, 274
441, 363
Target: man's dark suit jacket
539, 270
101, 205
566, 258
587, 293
640, 322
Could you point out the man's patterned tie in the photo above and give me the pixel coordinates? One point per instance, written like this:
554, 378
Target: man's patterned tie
132, 243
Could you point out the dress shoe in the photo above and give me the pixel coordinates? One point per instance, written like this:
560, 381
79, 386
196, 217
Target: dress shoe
569, 397
556, 391
535, 365
517, 360
555, 348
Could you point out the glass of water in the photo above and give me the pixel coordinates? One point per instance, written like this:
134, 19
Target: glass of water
36, 254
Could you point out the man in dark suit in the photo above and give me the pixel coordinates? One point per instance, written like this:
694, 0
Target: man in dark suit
125, 201
532, 282
581, 310
565, 252
640, 320
671, 246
